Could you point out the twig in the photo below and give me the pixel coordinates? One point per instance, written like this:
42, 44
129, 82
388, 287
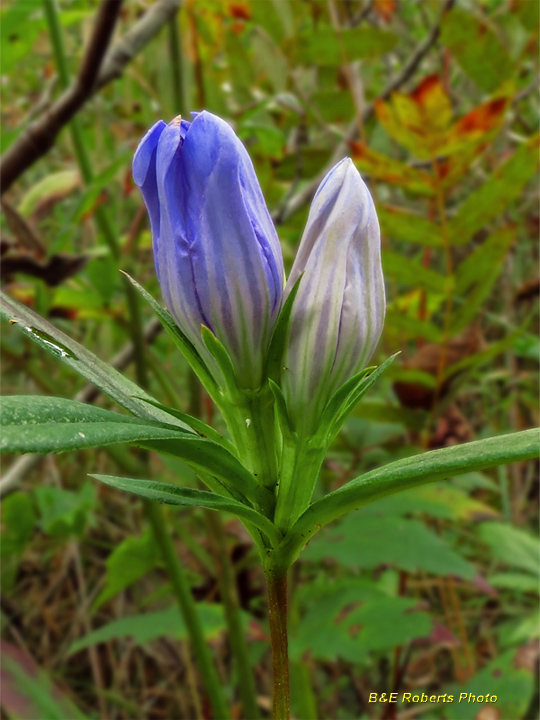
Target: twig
95, 72
522, 94
131, 44
40, 135
43, 103
305, 195
13, 478
363, 13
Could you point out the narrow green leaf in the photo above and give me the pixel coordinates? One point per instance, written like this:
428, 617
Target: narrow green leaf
348, 396
279, 337
336, 404
110, 381
281, 411
408, 473
199, 426
44, 424
221, 356
189, 497
48, 424
208, 458
180, 340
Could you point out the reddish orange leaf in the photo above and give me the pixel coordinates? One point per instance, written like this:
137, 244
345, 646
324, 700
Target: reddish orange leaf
419, 120
483, 118
239, 11
427, 87
385, 9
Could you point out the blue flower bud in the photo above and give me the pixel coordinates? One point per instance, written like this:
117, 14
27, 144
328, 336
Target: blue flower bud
338, 314
216, 251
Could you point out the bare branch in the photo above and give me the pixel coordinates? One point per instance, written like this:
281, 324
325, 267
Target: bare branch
522, 94
305, 195
40, 136
364, 12
13, 478
136, 39
98, 68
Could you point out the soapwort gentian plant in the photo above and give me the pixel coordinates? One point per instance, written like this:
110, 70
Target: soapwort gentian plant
285, 363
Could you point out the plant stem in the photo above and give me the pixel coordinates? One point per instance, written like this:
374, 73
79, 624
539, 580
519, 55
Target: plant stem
187, 604
84, 163
304, 703
152, 510
276, 583
250, 419
175, 54
300, 468
229, 598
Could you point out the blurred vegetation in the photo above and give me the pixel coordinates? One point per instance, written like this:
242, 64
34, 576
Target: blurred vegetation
434, 590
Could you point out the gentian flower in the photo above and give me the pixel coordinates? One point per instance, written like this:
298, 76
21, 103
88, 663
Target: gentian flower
216, 251
338, 313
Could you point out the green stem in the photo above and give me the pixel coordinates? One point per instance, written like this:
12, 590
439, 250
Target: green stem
304, 700
62, 67
182, 592
304, 703
250, 419
300, 468
229, 597
136, 332
175, 54
153, 512
188, 607
55, 34
505, 495
84, 163
276, 583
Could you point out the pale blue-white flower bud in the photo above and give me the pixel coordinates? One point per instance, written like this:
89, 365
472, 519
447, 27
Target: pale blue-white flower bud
338, 314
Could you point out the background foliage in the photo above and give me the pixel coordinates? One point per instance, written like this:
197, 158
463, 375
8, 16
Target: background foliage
434, 590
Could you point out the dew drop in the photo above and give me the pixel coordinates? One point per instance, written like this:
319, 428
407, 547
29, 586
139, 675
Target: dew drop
50, 342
